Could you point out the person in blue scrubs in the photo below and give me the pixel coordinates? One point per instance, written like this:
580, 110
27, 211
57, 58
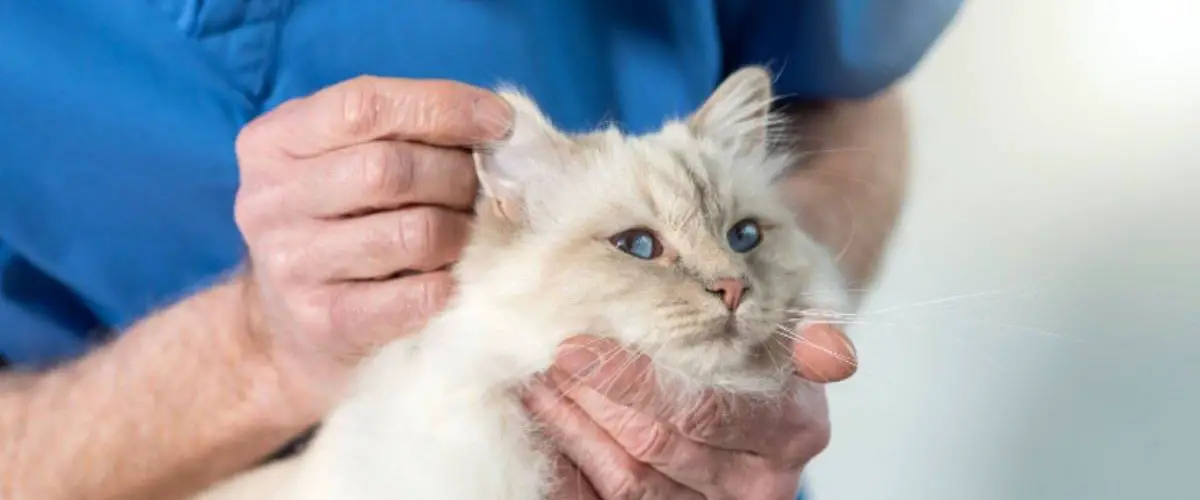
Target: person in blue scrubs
132, 347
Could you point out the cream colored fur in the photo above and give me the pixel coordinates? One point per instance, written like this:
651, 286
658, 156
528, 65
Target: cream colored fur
436, 416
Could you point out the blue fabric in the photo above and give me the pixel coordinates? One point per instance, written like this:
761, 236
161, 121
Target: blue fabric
117, 119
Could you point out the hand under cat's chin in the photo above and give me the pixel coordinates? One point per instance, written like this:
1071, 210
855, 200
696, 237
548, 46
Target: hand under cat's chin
618, 411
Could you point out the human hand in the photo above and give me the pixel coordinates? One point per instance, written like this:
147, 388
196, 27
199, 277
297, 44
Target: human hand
621, 438
353, 202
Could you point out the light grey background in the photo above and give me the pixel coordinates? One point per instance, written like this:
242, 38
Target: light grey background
1035, 335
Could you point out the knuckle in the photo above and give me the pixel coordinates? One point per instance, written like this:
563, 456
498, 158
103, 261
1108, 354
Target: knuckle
256, 135
384, 240
443, 106
770, 486
811, 433
255, 206
277, 263
821, 432
806, 444
406, 232
417, 231
278, 258
653, 441
385, 169
260, 212
631, 481
362, 105
248, 139
245, 215
312, 310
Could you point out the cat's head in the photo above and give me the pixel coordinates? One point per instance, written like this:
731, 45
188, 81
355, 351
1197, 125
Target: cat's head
675, 242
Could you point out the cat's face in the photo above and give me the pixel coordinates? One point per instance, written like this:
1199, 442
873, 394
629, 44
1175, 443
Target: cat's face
675, 243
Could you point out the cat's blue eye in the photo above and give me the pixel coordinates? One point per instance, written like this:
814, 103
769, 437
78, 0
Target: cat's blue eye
640, 243
744, 236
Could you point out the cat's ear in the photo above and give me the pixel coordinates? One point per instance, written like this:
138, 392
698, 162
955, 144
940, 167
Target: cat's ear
737, 114
510, 167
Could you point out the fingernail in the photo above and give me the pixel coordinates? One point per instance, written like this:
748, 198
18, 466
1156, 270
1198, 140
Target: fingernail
826, 354
844, 339
534, 393
494, 116
534, 384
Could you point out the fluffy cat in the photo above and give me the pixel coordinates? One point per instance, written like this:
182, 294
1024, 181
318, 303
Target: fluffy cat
675, 243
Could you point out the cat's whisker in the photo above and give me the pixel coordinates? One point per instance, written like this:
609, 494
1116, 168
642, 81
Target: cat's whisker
630, 361
576, 381
800, 321
791, 331
771, 355
790, 336
813, 290
600, 360
605, 358
650, 376
818, 313
987, 324
844, 359
1030, 329
840, 175
853, 218
956, 298
829, 318
949, 299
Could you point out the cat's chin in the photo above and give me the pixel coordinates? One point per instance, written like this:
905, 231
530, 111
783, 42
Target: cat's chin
725, 365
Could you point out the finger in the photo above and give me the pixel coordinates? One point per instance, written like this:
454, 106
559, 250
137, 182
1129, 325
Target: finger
436, 112
781, 428
714, 472
571, 484
380, 245
824, 354
375, 313
612, 472
382, 175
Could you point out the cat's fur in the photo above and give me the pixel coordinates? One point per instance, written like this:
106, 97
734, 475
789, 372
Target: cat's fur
437, 416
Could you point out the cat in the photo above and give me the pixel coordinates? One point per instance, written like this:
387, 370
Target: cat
675, 243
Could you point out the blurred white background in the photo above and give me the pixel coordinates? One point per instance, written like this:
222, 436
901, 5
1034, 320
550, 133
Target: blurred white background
1034, 335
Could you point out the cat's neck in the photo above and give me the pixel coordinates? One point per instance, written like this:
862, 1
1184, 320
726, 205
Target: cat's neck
477, 332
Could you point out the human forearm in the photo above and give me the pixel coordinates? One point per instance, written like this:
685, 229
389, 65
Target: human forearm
182, 398
851, 185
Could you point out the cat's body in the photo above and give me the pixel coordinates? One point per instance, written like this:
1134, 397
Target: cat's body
471, 437
675, 244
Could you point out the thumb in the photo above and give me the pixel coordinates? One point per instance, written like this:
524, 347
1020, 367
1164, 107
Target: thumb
823, 353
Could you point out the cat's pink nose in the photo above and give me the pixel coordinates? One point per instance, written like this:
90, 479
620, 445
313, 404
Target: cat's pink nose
730, 290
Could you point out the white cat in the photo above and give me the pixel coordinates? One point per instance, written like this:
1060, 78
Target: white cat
674, 243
